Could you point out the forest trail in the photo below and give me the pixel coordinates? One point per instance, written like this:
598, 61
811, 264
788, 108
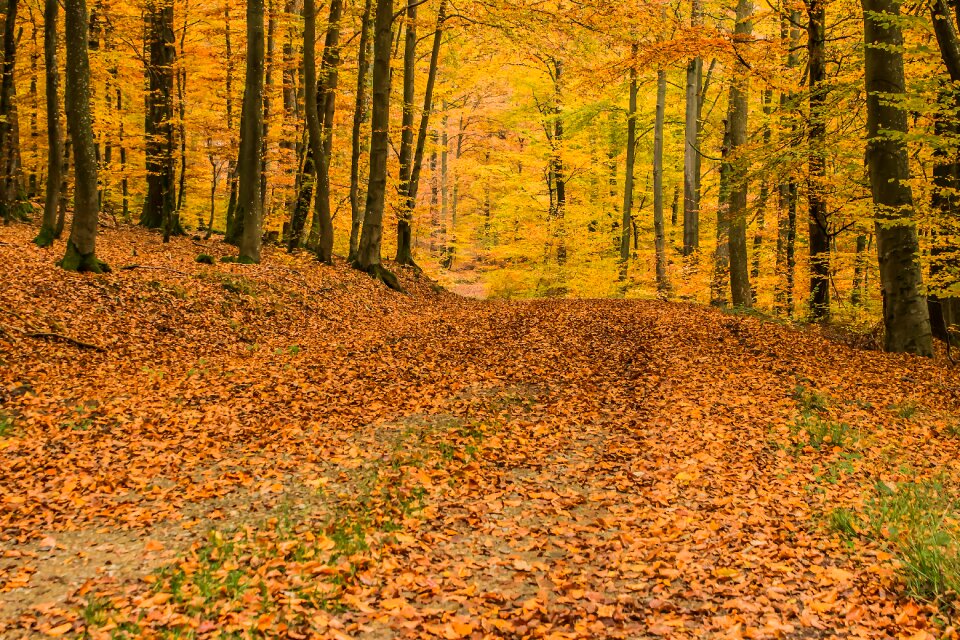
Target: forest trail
296, 450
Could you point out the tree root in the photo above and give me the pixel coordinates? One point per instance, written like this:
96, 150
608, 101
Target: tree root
45, 335
49, 335
381, 273
73, 260
130, 267
46, 237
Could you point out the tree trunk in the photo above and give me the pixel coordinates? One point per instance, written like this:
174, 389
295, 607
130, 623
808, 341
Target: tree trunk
905, 312
248, 190
359, 116
267, 106
691, 195
764, 197
816, 143
660, 241
627, 212
12, 197
557, 165
48, 230
721, 255
159, 206
859, 271
787, 226
81, 247
404, 249
182, 112
321, 233
945, 310
739, 104
368, 253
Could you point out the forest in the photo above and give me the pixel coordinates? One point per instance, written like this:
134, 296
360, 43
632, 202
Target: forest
479, 319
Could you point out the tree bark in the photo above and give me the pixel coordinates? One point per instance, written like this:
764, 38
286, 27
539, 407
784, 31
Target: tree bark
721, 254
660, 241
691, 179
739, 104
81, 246
368, 253
627, 212
12, 197
159, 206
404, 248
905, 313
48, 229
816, 143
248, 190
359, 116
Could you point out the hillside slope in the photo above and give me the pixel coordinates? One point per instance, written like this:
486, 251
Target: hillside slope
295, 451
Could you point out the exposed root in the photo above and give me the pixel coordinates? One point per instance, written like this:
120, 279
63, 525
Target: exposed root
73, 260
381, 273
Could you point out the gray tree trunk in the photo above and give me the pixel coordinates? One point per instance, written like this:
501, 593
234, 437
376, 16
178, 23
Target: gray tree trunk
905, 313
371, 235
739, 104
359, 115
48, 229
627, 212
691, 135
816, 143
249, 207
81, 247
660, 241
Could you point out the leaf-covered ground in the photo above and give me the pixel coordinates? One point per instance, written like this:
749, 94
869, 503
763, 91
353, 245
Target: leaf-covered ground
288, 450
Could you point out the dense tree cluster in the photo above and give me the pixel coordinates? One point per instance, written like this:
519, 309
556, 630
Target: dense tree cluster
540, 131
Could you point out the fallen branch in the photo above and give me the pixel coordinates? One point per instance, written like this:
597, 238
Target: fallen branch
131, 267
45, 335
49, 335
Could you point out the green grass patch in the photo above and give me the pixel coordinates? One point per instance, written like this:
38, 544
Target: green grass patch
6, 424
919, 522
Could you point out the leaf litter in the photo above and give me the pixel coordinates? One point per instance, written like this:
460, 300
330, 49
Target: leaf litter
289, 450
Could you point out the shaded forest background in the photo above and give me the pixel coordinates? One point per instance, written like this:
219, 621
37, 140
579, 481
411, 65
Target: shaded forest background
536, 149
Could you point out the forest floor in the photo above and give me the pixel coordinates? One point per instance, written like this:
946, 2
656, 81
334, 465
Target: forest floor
289, 450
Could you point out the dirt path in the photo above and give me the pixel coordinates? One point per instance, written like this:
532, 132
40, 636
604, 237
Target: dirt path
296, 452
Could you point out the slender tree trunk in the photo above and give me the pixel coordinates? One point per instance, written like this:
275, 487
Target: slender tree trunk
764, 197
12, 196
944, 310
81, 246
905, 312
124, 180
368, 254
265, 203
739, 104
48, 230
446, 253
721, 255
557, 164
675, 207
660, 241
159, 206
787, 227
859, 271
248, 191
817, 132
691, 179
404, 249
234, 227
322, 230
359, 116
628, 176
182, 112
